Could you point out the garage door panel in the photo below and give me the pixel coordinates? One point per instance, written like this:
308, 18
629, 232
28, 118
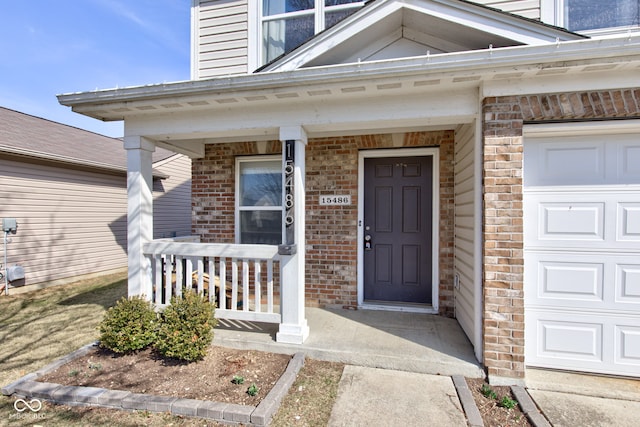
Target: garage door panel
629, 162
582, 220
628, 222
596, 280
627, 345
572, 340
571, 221
601, 343
628, 284
566, 280
567, 163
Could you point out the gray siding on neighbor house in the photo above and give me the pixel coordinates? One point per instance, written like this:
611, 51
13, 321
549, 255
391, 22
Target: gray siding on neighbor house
73, 222
465, 228
526, 8
70, 222
172, 198
221, 38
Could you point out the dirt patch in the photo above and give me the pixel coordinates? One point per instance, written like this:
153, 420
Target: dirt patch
493, 414
209, 379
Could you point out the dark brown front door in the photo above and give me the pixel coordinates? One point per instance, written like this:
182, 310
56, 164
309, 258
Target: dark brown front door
398, 200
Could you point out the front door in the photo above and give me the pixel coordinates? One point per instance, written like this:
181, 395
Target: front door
398, 206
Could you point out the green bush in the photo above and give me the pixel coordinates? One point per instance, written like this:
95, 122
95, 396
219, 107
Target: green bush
186, 329
128, 326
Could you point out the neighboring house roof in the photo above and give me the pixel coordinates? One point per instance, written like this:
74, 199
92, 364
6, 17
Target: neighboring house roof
386, 29
29, 136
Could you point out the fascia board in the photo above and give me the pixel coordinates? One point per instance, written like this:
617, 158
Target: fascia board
473, 62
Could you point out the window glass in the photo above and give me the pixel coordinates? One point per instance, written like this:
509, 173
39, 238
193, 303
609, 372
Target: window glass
286, 24
276, 7
594, 14
283, 35
260, 201
336, 2
261, 227
332, 18
260, 183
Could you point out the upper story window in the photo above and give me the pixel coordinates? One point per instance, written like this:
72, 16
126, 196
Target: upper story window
286, 24
592, 16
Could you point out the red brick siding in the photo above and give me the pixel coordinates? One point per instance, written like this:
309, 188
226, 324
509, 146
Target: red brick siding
331, 168
503, 255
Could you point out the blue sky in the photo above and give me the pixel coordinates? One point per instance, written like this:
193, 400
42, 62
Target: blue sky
48, 47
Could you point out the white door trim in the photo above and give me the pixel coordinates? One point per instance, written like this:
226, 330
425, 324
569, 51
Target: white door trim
400, 152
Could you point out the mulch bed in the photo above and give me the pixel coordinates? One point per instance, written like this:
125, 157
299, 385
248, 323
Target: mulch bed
147, 372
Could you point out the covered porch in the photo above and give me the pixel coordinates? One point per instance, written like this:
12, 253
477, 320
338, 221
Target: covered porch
412, 342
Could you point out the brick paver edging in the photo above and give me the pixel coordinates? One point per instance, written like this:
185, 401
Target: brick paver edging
29, 387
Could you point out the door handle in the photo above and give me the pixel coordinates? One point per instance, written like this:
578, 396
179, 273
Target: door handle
368, 242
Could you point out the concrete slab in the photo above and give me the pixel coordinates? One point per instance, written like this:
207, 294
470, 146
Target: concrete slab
569, 410
379, 397
585, 384
412, 342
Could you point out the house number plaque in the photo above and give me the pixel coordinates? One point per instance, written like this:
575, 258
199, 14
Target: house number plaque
289, 200
335, 200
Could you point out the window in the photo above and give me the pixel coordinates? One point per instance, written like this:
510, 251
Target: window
590, 15
259, 200
286, 24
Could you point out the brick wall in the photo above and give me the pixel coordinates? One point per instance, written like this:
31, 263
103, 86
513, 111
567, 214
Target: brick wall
332, 168
503, 256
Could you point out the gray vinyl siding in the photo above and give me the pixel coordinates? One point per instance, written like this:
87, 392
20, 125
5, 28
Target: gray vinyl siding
172, 198
73, 222
526, 8
221, 38
464, 229
70, 222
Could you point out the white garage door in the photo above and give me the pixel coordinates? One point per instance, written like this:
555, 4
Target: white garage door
582, 252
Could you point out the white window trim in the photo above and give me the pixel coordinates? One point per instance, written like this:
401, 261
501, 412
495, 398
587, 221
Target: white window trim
552, 12
255, 19
238, 208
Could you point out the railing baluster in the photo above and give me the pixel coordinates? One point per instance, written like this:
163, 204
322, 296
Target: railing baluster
212, 280
257, 265
179, 276
188, 274
200, 276
223, 283
246, 298
234, 284
157, 298
269, 286
168, 277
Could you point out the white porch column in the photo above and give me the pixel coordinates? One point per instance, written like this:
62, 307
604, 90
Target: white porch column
139, 212
293, 326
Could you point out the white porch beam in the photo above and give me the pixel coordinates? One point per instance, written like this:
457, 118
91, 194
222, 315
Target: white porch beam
139, 213
293, 327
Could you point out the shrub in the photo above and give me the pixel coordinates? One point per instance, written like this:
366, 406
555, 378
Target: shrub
186, 329
129, 326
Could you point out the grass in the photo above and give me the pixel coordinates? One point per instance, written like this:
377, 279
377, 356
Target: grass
41, 326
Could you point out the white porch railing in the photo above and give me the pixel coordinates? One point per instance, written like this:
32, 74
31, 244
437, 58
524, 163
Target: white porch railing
239, 279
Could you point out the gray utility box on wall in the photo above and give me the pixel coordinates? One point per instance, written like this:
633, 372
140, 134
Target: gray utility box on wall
15, 272
9, 225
